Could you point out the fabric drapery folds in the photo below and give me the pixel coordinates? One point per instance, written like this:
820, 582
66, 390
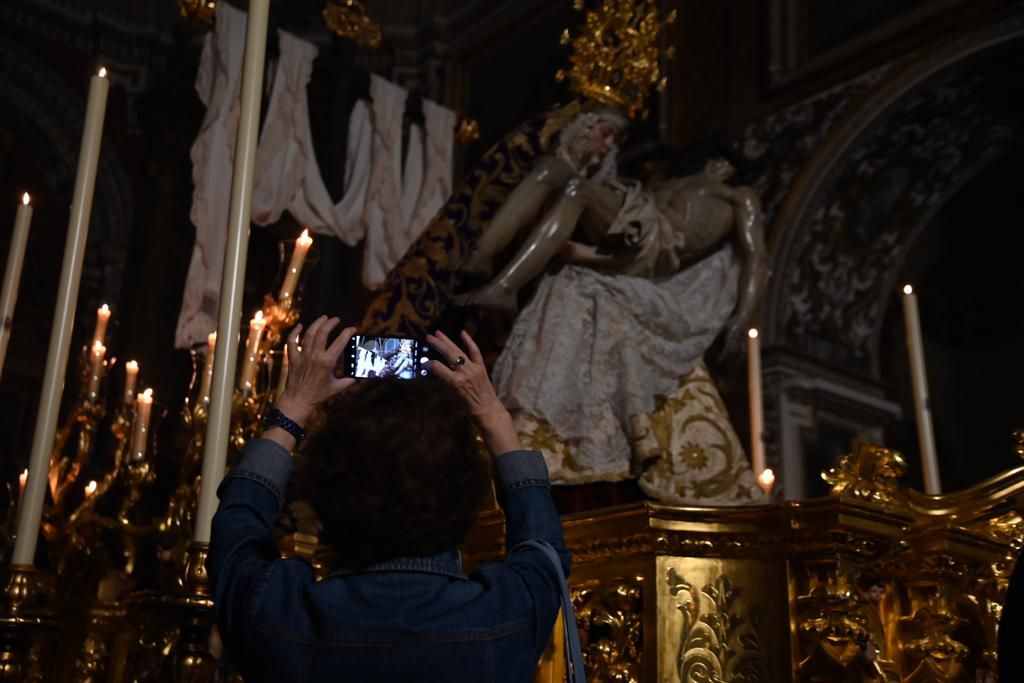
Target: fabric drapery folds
218, 87
385, 201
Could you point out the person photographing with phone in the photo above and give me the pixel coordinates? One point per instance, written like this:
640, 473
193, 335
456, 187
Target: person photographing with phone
397, 480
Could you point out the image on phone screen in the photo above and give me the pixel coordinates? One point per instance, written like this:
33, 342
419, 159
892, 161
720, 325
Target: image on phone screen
370, 357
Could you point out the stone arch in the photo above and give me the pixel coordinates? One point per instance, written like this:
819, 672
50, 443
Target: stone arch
872, 186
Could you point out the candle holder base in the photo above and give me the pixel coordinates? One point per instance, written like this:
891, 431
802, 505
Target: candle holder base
25, 607
194, 578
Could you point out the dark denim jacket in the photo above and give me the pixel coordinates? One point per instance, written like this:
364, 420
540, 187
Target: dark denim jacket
414, 619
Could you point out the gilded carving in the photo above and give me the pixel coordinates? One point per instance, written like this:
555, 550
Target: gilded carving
871, 473
719, 641
609, 617
830, 631
931, 654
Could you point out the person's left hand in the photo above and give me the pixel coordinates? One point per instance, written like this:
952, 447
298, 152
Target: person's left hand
311, 378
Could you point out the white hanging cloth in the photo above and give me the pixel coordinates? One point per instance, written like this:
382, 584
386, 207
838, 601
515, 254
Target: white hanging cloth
287, 174
387, 200
438, 154
217, 83
403, 197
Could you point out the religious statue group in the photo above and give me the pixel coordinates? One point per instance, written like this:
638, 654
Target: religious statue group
645, 279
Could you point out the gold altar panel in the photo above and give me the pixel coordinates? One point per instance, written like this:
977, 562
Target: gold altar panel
721, 620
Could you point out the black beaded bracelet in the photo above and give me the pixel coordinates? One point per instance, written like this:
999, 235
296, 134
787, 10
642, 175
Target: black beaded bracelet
275, 418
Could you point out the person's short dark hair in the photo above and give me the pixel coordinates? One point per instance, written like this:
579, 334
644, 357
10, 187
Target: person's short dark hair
396, 471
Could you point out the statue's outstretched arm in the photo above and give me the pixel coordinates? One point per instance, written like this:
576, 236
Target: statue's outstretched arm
754, 271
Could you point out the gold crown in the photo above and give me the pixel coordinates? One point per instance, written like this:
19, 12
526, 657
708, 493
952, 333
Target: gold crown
615, 56
348, 19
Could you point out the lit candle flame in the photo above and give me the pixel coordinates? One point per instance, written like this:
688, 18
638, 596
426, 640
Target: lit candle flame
258, 318
907, 289
90, 488
146, 396
25, 199
23, 477
752, 333
98, 349
104, 311
211, 339
131, 366
304, 238
102, 73
766, 480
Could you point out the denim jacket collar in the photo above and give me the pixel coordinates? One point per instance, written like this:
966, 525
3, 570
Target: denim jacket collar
446, 563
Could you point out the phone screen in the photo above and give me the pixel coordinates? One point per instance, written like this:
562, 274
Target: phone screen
369, 357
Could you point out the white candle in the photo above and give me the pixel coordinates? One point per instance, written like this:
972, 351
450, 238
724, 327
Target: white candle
207, 378
218, 425
99, 335
12, 275
922, 407
131, 374
252, 353
140, 428
757, 457
96, 367
63, 320
291, 277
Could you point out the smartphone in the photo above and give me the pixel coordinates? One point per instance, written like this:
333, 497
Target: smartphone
376, 356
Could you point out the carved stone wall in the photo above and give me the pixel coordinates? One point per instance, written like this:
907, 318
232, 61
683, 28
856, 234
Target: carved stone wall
854, 177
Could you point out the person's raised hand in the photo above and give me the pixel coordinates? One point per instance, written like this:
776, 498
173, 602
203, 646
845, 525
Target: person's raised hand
311, 378
467, 373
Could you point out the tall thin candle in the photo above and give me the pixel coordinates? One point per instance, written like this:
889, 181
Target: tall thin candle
131, 374
63, 320
757, 457
291, 277
922, 409
99, 334
252, 352
96, 369
12, 275
204, 382
140, 428
218, 425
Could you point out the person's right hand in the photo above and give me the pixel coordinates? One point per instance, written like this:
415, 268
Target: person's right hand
311, 378
469, 377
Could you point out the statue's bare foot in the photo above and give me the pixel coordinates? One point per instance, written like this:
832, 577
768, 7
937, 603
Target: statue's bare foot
491, 296
476, 262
